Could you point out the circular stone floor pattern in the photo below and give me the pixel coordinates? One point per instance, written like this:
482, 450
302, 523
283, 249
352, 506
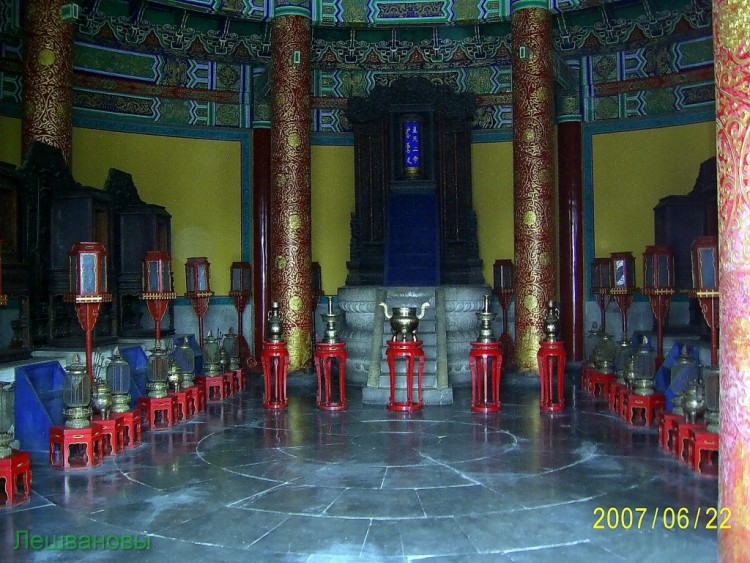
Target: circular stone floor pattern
240, 483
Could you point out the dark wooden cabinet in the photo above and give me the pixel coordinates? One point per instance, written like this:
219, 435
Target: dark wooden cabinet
680, 219
140, 227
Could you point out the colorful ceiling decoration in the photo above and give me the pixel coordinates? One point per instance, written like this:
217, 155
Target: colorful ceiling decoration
204, 62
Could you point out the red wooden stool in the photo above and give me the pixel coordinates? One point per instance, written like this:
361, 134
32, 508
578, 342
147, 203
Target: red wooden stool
683, 437
614, 396
410, 352
551, 359
651, 405
600, 383
668, 431
275, 361
132, 423
61, 440
113, 434
213, 386
197, 396
623, 399
586, 378
485, 362
240, 380
15, 470
702, 440
325, 354
160, 413
230, 386
185, 407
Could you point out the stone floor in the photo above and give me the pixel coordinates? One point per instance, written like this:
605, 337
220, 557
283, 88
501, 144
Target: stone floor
242, 484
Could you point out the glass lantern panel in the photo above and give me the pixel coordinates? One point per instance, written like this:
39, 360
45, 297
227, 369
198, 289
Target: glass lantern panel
118, 376
104, 274
247, 280
88, 274
202, 278
190, 279
620, 279
7, 408
665, 280
72, 274
236, 279
649, 273
76, 390
153, 277
158, 367
708, 272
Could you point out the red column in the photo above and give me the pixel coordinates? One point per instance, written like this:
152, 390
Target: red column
570, 221
732, 70
291, 252
261, 232
47, 77
533, 180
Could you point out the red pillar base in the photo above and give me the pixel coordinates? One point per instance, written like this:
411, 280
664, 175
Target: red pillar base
411, 352
551, 358
15, 471
275, 360
132, 422
324, 355
62, 439
113, 434
213, 386
485, 362
158, 414
650, 405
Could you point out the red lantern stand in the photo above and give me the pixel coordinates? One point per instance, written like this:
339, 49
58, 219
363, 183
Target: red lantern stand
704, 255
412, 352
157, 286
504, 298
275, 361
325, 354
551, 358
87, 290
132, 424
15, 471
485, 362
197, 275
709, 301
658, 285
241, 284
62, 438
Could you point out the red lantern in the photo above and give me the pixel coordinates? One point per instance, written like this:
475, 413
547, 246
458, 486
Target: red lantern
242, 283
658, 284
87, 288
623, 284
704, 253
158, 288
503, 289
601, 285
198, 278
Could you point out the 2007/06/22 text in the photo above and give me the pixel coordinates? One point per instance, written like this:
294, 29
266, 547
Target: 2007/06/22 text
668, 518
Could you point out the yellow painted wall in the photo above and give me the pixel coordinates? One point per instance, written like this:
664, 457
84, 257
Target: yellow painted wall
332, 178
197, 180
492, 176
10, 140
632, 171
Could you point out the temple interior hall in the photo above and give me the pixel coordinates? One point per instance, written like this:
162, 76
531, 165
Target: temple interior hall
322, 280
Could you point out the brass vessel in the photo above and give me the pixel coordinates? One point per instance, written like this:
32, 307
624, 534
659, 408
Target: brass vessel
101, 398
552, 322
693, 402
485, 317
275, 321
404, 321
